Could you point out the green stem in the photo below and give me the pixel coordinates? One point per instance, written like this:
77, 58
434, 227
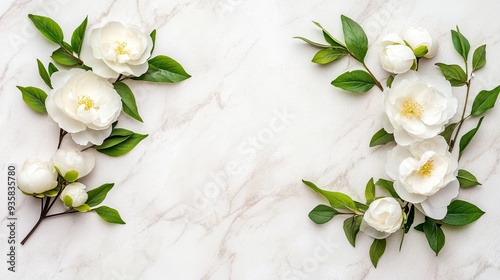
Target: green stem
377, 83
80, 62
462, 118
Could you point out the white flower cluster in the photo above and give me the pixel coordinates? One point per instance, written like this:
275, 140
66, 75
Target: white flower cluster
38, 177
416, 109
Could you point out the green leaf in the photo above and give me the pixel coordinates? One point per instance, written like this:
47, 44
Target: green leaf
467, 138
361, 206
479, 58
108, 214
328, 37
52, 68
153, 37
382, 137
68, 201
34, 97
329, 55
78, 35
409, 219
460, 43
420, 51
71, 176
82, 208
312, 43
377, 249
121, 146
49, 28
351, 228
448, 132
357, 81
62, 57
370, 191
337, 200
355, 38
163, 69
389, 81
419, 227
97, 195
466, 179
484, 101
453, 73
322, 214
388, 186
52, 193
43, 73
461, 213
434, 235
128, 100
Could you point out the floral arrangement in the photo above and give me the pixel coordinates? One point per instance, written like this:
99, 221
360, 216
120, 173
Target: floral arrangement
418, 111
85, 99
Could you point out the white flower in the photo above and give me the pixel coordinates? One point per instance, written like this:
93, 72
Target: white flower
71, 159
83, 104
118, 49
37, 177
417, 107
76, 191
383, 217
395, 56
425, 174
419, 37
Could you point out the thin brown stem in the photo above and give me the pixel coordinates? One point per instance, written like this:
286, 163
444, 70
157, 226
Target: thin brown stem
62, 133
462, 118
62, 213
377, 83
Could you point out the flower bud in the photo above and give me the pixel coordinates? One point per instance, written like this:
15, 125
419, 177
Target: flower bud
37, 177
383, 217
74, 195
395, 56
421, 42
73, 164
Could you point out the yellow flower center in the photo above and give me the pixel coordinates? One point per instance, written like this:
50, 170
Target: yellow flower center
121, 48
427, 168
412, 109
87, 101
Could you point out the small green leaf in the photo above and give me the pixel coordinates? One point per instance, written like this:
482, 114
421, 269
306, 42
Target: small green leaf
329, 55
479, 58
409, 219
448, 132
389, 81
453, 73
361, 206
108, 214
153, 37
52, 193
351, 228
71, 176
420, 51
82, 208
377, 249
322, 214
52, 68
328, 37
68, 201
355, 38
49, 28
461, 213
62, 57
484, 101
163, 69
466, 179
382, 137
337, 200
467, 138
34, 97
357, 81
78, 35
120, 146
128, 100
434, 234
388, 186
460, 43
43, 73
370, 191
97, 195
419, 227
312, 43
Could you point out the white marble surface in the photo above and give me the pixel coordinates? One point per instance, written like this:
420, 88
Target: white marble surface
215, 191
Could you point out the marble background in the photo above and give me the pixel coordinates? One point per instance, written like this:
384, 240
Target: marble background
215, 191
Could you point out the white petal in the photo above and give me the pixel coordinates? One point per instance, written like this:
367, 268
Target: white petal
433, 212
444, 196
63, 120
128, 69
95, 137
368, 230
98, 65
405, 195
